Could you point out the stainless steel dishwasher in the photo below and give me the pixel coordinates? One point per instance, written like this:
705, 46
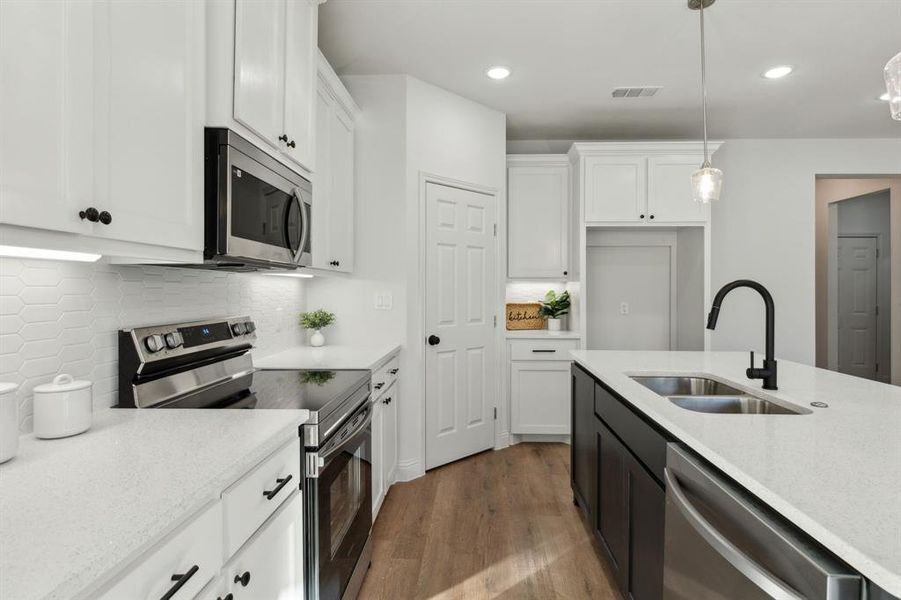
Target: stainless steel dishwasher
721, 543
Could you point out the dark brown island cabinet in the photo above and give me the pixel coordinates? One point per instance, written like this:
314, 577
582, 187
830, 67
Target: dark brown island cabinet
617, 480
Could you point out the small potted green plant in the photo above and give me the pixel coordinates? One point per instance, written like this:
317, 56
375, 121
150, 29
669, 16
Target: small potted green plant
317, 320
553, 307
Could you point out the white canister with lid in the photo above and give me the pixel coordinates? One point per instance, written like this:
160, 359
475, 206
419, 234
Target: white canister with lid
62, 408
9, 421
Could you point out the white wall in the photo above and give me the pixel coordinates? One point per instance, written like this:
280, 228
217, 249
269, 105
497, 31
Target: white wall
409, 128
61, 317
763, 229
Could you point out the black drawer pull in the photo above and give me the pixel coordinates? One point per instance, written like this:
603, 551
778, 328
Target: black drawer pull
379, 386
544, 351
282, 482
394, 371
180, 580
228, 596
386, 401
243, 579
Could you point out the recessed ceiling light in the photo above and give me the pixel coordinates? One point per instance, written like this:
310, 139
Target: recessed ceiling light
778, 72
498, 72
884, 97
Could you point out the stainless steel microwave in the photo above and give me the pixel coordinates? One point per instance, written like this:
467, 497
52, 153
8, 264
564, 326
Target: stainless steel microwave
258, 212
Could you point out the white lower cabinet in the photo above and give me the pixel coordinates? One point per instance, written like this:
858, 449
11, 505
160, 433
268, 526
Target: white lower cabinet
180, 566
270, 565
540, 386
384, 437
260, 543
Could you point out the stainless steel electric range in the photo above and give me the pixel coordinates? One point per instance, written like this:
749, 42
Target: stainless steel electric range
207, 364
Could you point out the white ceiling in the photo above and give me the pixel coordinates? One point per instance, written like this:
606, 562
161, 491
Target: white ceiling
567, 55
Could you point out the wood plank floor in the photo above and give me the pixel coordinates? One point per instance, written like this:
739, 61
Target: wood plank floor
496, 525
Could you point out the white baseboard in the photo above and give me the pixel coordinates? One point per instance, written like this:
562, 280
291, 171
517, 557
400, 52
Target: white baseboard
540, 438
408, 470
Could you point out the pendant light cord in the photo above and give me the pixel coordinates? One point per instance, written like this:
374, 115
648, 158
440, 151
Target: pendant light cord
704, 84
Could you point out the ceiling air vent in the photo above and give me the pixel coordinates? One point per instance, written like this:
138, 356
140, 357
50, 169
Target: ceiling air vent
636, 92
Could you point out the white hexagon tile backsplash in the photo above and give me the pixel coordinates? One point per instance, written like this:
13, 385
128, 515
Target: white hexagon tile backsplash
58, 317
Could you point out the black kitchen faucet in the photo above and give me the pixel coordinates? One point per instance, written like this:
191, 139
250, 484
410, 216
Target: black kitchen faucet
768, 372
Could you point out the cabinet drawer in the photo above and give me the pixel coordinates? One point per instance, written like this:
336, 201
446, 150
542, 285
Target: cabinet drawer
646, 442
384, 376
542, 349
194, 552
249, 502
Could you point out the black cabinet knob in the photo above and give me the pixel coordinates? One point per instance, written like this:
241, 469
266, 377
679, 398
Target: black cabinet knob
283, 137
291, 144
90, 213
386, 401
565, 273
394, 371
641, 216
434, 340
652, 216
379, 385
228, 596
335, 263
243, 579
105, 218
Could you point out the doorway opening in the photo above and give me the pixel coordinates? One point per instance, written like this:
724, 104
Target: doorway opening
858, 301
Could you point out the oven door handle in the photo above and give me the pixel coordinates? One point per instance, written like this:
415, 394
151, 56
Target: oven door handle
320, 461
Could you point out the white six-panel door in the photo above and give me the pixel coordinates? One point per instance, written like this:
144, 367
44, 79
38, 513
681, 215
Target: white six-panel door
461, 367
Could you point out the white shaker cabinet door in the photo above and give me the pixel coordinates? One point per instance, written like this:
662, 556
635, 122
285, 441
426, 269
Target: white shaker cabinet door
322, 182
540, 394
389, 435
538, 221
46, 113
150, 99
341, 192
669, 190
260, 67
615, 188
270, 566
377, 465
300, 81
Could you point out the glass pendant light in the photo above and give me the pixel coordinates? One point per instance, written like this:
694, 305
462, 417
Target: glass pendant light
893, 85
707, 181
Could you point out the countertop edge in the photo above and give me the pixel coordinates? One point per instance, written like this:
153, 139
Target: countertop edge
878, 574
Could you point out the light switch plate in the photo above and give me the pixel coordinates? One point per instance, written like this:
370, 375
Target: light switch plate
383, 301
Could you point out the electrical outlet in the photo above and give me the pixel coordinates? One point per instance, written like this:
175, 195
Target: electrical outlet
624, 308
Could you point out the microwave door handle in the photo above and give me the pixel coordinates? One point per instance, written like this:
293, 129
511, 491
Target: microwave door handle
295, 199
305, 231
767, 582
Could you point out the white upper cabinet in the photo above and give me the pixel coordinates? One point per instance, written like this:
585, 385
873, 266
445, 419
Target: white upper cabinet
538, 199
260, 67
669, 189
333, 183
149, 121
46, 113
615, 188
275, 50
639, 182
101, 127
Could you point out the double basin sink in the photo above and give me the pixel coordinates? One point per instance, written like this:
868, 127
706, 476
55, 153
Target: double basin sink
704, 395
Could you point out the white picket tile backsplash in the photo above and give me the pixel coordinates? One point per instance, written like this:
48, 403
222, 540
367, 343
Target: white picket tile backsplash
58, 317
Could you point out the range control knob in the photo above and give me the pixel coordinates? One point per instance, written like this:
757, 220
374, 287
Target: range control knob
154, 343
239, 329
249, 327
174, 340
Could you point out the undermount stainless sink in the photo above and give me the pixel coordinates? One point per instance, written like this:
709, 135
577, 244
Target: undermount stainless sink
700, 394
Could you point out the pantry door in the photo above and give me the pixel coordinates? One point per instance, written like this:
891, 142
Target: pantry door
460, 341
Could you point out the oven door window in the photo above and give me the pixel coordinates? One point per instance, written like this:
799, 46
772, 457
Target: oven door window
346, 497
263, 213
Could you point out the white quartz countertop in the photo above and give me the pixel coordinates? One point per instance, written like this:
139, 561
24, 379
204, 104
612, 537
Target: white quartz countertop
75, 510
835, 473
542, 334
328, 357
